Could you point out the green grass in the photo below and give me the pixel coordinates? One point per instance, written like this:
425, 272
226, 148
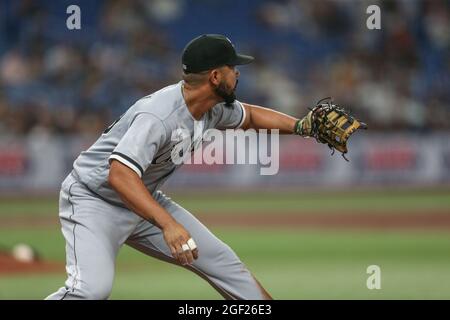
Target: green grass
391, 201
28, 207
49, 242
299, 203
290, 264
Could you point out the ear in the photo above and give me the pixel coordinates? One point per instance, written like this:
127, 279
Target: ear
215, 77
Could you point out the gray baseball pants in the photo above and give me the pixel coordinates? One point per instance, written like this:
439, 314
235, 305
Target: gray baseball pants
95, 230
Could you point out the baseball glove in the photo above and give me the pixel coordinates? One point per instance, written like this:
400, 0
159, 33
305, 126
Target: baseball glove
329, 124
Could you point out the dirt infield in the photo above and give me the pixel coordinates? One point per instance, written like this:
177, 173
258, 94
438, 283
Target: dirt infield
436, 219
9, 265
376, 221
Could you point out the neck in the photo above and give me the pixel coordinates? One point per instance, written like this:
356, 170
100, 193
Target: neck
199, 99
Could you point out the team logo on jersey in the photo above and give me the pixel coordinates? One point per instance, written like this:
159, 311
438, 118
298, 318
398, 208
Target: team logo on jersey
183, 145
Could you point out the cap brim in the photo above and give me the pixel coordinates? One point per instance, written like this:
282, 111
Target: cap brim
242, 59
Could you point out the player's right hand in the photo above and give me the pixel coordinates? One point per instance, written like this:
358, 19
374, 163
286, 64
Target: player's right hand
178, 240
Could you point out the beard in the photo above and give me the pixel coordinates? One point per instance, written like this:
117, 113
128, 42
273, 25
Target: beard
228, 97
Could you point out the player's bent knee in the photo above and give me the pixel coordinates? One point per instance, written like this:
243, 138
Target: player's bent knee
94, 293
98, 289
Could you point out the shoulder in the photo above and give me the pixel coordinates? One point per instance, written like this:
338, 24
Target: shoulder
161, 103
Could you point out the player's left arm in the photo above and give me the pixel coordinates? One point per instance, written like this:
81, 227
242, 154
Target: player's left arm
257, 117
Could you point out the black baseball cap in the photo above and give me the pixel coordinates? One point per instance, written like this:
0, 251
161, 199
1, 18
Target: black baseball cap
209, 51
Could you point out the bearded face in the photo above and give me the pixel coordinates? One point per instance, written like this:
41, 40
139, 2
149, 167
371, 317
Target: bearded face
226, 93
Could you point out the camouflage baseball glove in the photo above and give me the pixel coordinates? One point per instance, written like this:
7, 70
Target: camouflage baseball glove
329, 124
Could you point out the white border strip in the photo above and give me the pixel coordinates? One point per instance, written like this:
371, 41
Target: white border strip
243, 115
127, 163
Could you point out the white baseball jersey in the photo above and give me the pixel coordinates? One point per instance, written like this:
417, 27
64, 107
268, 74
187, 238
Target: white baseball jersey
142, 140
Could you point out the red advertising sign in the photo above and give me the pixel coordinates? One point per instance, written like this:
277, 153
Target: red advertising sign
12, 161
393, 156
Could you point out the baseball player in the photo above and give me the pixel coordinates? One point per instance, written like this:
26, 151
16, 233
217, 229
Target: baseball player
112, 195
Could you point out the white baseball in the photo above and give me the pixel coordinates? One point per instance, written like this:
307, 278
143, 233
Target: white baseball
23, 252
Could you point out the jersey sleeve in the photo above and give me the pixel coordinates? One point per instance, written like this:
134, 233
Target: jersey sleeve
229, 117
140, 143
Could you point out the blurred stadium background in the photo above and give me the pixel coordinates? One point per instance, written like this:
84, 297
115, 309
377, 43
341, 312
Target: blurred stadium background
308, 232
